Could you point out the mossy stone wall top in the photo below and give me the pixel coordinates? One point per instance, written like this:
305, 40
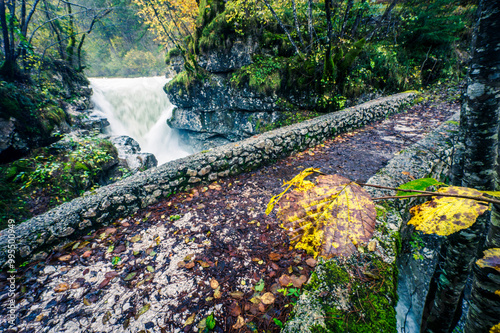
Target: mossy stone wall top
106, 204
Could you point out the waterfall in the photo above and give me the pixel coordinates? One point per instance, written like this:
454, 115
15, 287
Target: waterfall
139, 108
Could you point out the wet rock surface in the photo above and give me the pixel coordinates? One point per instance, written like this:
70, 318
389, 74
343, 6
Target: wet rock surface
155, 270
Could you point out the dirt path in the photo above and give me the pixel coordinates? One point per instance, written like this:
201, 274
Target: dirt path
212, 250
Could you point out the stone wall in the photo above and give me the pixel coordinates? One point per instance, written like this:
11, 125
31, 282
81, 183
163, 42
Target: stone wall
104, 205
330, 304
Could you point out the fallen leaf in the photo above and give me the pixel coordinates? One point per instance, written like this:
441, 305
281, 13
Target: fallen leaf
234, 309
217, 293
255, 300
150, 268
189, 265
119, 249
39, 317
214, 283
181, 264
110, 231
65, 257
135, 239
240, 322
274, 266
87, 254
267, 298
190, 320
274, 256
262, 307
130, 276
236, 294
143, 310
311, 262
372, 246
61, 287
298, 281
284, 280
104, 283
111, 274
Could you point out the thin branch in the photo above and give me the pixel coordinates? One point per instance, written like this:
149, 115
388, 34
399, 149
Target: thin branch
427, 194
283, 27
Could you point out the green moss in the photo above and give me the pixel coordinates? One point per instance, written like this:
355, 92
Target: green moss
370, 292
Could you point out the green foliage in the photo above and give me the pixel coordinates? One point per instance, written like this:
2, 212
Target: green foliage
47, 178
264, 75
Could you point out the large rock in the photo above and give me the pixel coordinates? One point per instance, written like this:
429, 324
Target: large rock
223, 61
214, 112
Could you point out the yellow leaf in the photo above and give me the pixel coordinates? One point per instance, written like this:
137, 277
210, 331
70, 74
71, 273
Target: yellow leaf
495, 329
492, 193
330, 218
267, 298
446, 215
297, 181
491, 259
240, 322
214, 283
190, 320
497, 292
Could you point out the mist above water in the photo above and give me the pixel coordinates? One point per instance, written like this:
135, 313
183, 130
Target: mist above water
139, 108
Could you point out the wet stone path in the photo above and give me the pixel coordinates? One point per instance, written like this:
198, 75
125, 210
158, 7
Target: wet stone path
209, 252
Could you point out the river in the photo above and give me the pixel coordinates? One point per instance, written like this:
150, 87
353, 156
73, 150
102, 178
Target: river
139, 108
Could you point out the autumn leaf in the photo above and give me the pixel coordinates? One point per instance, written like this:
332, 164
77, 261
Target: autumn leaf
495, 329
143, 310
239, 323
214, 284
190, 320
417, 184
295, 181
267, 298
446, 215
330, 218
61, 287
491, 259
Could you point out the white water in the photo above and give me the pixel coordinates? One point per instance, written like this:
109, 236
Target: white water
139, 108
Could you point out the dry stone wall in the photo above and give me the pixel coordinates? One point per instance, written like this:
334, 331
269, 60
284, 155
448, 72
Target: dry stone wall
123, 198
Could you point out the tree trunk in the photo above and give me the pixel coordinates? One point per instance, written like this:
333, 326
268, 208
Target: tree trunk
484, 310
310, 25
296, 21
350, 3
479, 124
283, 27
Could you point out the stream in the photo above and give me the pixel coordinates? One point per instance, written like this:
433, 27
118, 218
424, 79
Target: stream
139, 108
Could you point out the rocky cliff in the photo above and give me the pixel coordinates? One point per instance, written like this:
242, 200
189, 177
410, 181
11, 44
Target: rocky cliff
222, 107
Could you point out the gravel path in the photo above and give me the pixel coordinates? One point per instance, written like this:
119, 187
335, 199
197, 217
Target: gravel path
209, 251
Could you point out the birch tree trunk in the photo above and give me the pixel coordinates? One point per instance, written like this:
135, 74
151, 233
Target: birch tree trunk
479, 125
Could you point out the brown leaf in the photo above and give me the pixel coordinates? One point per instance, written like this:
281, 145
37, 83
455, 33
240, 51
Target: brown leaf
87, 254
274, 256
214, 283
189, 265
240, 322
104, 283
267, 298
236, 294
61, 287
110, 231
274, 266
234, 309
284, 280
298, 281
311, 262
262, 307
110, 275
119, 249
181, 264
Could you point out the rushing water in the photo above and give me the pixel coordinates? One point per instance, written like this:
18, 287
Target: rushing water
139, 108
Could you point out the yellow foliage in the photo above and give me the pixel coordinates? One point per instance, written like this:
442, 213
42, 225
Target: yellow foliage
495, 329
297, 181
491, 259
169, 19
446, 215
330, 218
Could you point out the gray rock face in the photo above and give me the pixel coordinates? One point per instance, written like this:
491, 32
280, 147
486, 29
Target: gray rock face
239, 55
216, 109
